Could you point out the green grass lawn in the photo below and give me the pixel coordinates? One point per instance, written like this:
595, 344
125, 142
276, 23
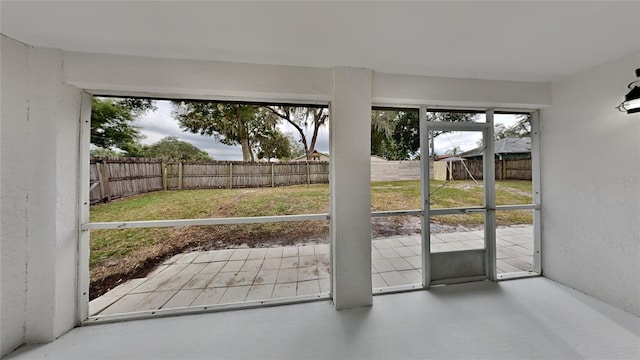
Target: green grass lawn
109, 245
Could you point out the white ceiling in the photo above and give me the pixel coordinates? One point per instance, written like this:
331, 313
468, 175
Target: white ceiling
531, 41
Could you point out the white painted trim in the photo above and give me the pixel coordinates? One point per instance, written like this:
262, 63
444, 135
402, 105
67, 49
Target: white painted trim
200, 222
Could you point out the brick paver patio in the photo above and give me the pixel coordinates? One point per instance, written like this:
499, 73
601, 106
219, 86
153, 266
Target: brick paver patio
236, 275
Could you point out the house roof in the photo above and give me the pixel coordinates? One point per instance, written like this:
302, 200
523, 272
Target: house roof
504, 146
304, 157
451, 158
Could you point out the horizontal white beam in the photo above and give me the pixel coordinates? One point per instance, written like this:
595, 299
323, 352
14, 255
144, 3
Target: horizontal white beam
453, 211
200, 222
396, 213
518, 207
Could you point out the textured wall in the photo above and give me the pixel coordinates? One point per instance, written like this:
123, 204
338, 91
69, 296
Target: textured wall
591, 185
40, 117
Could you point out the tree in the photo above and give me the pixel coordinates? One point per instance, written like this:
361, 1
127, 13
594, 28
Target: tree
134, 149
296, 147
171, 148
275, 145
112, 121
231, 124
103, 153
522, 128
300, 118
395, 135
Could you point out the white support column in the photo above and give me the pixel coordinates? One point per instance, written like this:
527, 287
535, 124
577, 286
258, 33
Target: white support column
489, 182
350, 183
425, 222
535, 178
83, 235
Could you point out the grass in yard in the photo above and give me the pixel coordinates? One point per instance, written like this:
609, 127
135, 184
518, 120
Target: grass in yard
117, 255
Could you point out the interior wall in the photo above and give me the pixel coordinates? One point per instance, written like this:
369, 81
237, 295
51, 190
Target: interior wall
591, 185
13, 193
40, 119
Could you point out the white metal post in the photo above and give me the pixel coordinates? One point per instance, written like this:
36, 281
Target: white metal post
535, 182
424, 192
489, 174
83, 216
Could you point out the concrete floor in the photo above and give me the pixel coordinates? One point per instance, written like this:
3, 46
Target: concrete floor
533, 318
237, 275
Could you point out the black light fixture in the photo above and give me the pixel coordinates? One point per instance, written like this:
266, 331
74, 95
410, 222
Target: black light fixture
631, 103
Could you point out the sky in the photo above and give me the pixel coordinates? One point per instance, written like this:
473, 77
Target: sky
159, 124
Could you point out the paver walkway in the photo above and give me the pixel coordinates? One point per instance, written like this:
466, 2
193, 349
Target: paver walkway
236, 275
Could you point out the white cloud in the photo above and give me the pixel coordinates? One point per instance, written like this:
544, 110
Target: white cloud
160, 123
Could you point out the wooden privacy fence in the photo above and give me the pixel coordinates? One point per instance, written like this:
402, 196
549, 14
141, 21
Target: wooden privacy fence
113, 178
238, 174
514, 169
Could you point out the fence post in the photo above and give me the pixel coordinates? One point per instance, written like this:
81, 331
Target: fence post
180, 175
308, 173
163, 171
273, 177
503, 173
230, 175
100, 180
105, 177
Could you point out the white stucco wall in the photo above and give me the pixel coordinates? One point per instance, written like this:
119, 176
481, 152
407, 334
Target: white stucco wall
40, 117
591, 185
13, 194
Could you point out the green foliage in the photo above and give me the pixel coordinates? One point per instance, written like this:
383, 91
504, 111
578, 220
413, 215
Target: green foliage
135, 149
170, 148
112, 121
522, 128
104, 153
231, 124
274, 145
395, 135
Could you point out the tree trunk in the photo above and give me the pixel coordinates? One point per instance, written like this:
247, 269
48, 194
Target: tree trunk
246, 150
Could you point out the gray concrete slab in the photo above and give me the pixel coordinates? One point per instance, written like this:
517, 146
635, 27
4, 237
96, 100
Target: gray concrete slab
232, 275
533, 318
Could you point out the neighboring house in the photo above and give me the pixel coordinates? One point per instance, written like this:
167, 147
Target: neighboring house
508, 148
314, 156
